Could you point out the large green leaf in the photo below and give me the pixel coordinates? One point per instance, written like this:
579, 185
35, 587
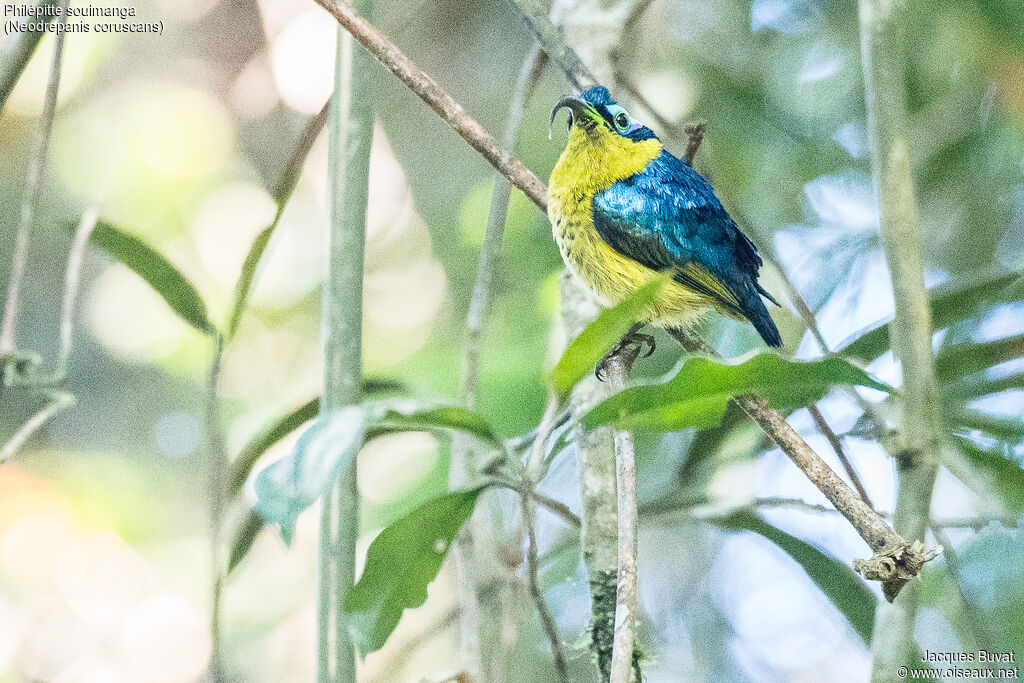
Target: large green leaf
597, 338
400, 564
156, 270
285, 425
324, 452
948, 303
1002, 475
838, 582
699, 393
1008, 429
267, 437
964, 359
405, 416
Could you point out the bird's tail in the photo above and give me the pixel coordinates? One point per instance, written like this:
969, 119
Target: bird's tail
757, 314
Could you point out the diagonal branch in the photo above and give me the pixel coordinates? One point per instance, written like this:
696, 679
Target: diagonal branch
450, 111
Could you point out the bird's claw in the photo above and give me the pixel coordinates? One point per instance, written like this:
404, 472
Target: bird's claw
629, 349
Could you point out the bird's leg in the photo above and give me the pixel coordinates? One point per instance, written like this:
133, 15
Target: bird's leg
629, 349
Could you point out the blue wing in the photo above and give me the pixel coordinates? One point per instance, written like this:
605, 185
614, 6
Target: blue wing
668, 217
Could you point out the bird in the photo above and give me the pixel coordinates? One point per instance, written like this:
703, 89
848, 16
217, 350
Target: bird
623, 209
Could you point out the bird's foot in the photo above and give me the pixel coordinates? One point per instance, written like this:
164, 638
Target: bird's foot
628, 350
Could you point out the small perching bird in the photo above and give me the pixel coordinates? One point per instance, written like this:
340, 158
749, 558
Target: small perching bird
622, 209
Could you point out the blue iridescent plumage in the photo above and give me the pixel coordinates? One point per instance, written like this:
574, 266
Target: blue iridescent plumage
667, 216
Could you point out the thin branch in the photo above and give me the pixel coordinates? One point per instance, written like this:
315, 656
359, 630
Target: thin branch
555, 506
894, 557
882, 25
450, 111
350, 132
536, 16
468, 555
626, 593
58, 402
33, 187
837, 446
533, 580
218, 459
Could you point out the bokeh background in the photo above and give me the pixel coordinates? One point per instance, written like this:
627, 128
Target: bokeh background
104, 551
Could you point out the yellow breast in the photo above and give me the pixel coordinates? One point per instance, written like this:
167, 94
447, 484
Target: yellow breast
591, 163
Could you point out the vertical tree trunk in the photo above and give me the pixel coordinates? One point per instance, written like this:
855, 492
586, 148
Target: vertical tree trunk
882, 51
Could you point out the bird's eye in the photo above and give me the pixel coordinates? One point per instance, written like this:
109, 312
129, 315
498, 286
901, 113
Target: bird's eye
621, 120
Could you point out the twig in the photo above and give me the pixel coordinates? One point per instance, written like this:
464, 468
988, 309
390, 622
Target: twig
450, 111
894, 558
882, 45
626, 593
837, 446
548, 36
533, 580
468, 556
58, 402
350, 131
217, 454
555, 506
33, 186
18, 49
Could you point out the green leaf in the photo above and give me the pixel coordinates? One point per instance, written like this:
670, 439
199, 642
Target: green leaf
248, 275
597, 338
157, 271
407, 416
267, 437
325, 451
400, 564
968, 390
322, 455
1004, 476
1008, 429
699, 393
285, 425
19, 48
961, 360
838, 582
282, 193
245, 536
948, 303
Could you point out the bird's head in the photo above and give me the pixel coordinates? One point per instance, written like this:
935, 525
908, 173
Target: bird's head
596, 114
605, 143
